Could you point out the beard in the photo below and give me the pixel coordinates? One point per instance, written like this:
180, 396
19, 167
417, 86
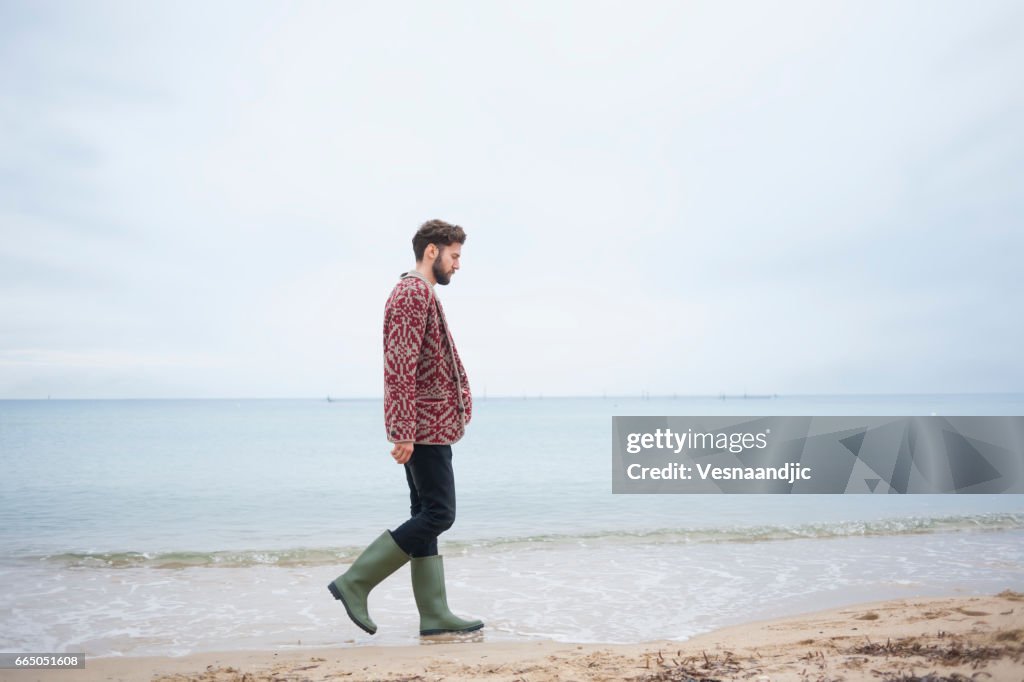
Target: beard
440, 275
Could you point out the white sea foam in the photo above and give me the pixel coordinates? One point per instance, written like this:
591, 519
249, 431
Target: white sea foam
615, 592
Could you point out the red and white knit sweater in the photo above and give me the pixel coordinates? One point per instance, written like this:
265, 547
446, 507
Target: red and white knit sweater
426, 390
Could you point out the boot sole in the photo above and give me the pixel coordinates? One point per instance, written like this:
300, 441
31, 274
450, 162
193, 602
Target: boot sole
445, 632
337, 595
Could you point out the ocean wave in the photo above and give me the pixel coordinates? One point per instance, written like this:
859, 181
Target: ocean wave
303, 556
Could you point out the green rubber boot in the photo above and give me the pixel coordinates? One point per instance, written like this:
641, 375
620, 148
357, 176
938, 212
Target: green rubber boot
432, 600
382, 558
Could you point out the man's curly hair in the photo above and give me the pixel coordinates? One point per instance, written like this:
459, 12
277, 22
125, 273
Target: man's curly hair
436, 232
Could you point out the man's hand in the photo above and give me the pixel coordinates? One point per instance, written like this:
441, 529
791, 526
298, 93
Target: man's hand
402, 451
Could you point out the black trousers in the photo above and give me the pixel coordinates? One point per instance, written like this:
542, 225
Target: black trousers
432, 499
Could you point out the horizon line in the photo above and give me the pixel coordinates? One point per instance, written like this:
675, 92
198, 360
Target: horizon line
542, 396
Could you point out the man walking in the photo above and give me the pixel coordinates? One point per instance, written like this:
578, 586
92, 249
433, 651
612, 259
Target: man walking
427, 405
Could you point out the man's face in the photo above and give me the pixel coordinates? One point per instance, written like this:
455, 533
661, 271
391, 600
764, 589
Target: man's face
447, 262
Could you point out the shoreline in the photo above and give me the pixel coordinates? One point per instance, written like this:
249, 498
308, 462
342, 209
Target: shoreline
880, 640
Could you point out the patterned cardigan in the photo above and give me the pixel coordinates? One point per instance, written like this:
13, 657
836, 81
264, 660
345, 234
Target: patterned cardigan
426, 390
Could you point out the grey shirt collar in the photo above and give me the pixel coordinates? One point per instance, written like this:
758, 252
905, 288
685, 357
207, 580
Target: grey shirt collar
416, 273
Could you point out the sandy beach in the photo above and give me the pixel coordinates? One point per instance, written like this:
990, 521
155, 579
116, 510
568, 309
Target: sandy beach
932, 639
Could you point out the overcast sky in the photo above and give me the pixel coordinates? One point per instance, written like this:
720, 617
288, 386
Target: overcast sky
215, 199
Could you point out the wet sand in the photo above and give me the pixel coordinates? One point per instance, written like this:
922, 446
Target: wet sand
976, 637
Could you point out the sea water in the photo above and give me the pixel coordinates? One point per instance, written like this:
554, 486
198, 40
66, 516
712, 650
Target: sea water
173, 526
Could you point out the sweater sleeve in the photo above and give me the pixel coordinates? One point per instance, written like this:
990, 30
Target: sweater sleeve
405, 324
467, 395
